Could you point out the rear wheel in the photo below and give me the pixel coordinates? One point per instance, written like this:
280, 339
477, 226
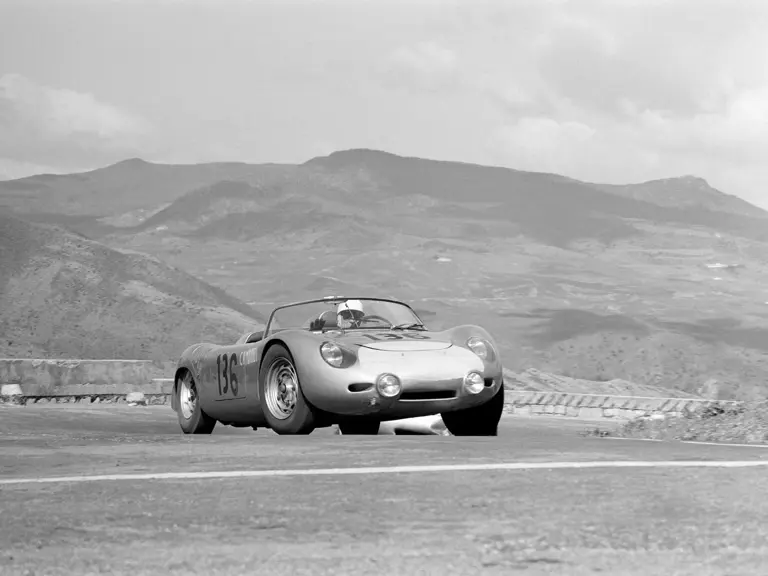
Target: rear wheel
360, 426
480, 420
285, 408
192, 419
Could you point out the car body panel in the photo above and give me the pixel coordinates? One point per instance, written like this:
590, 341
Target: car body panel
430, 365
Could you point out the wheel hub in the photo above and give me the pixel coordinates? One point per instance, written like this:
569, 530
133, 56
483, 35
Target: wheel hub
281, 389
187, 397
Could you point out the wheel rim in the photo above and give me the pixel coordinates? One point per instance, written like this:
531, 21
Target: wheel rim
187, 396
281, 389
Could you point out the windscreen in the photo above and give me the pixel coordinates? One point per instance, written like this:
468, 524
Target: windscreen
322, 315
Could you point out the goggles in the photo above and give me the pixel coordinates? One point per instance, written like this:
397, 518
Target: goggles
348, 314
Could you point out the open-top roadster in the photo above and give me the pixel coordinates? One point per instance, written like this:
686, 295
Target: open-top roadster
354, 362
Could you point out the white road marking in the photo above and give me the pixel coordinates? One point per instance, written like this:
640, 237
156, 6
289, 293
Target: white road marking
394, 470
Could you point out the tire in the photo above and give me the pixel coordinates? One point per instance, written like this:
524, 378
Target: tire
480, 420
285, 407
192, 419
362, 426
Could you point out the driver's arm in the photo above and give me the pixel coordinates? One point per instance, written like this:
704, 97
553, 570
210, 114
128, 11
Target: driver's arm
319, 322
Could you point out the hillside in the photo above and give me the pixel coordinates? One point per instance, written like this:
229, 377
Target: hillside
131, 185
63, 295
659, 283
685, 192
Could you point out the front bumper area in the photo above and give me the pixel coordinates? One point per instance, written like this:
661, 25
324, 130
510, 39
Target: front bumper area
432, 381
417, 398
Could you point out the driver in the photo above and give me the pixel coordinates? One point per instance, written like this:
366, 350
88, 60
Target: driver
349, 314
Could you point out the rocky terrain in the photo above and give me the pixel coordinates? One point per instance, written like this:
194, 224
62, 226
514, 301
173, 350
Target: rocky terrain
739, 423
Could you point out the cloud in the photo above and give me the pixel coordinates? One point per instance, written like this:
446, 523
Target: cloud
604, 90
425, 65
426, 58
617, 91
43, 125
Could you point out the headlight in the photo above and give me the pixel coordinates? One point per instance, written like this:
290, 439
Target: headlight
332, 354
480, 347
388, 385
474, 383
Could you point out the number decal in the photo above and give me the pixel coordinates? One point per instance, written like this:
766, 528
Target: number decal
225, 370
232, 376
225, 373
218, 372
391, 336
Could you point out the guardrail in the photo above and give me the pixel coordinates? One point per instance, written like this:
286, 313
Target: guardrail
525, 402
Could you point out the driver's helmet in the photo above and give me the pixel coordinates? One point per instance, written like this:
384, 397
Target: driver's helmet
350, 311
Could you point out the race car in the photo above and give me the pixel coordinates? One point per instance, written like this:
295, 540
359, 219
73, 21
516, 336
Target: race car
351, 362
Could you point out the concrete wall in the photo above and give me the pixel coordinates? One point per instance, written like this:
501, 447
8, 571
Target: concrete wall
46, 377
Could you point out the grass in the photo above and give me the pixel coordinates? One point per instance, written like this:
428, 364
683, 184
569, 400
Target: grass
733, 423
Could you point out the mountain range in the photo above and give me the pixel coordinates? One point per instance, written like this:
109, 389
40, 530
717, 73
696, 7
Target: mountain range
660, 283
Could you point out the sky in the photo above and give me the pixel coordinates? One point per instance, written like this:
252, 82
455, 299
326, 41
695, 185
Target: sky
612, 91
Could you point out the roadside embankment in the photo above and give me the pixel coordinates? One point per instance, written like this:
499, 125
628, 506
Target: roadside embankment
78, 377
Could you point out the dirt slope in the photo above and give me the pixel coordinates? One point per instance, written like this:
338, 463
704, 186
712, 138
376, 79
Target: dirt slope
63, 295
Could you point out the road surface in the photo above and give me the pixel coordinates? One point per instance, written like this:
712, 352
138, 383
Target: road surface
274, 505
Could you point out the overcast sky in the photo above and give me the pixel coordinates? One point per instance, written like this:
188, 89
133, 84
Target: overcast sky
601, 90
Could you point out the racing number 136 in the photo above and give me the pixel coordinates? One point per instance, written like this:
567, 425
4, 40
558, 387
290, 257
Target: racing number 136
226, 372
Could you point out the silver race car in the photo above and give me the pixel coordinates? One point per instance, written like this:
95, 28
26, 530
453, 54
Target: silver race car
354, 362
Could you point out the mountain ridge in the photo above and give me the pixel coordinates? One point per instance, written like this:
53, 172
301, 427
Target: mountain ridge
208, 173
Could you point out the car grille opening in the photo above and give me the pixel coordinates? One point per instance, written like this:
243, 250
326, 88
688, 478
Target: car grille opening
359, 386
431, 395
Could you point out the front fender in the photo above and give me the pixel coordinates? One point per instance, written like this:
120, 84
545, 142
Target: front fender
460, 334
304, 347
191, 360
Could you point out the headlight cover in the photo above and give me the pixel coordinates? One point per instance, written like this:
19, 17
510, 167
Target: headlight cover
388, 385
332, 354
482, 348
474, 382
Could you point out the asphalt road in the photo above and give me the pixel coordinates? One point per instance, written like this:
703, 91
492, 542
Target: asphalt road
531, 520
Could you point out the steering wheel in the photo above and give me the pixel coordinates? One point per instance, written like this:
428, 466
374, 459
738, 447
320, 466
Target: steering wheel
375, 317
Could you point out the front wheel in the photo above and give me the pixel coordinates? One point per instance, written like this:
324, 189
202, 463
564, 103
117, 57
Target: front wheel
192, 419
285, 408
480, 420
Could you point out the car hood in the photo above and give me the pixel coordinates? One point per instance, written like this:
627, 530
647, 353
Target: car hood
391, 340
